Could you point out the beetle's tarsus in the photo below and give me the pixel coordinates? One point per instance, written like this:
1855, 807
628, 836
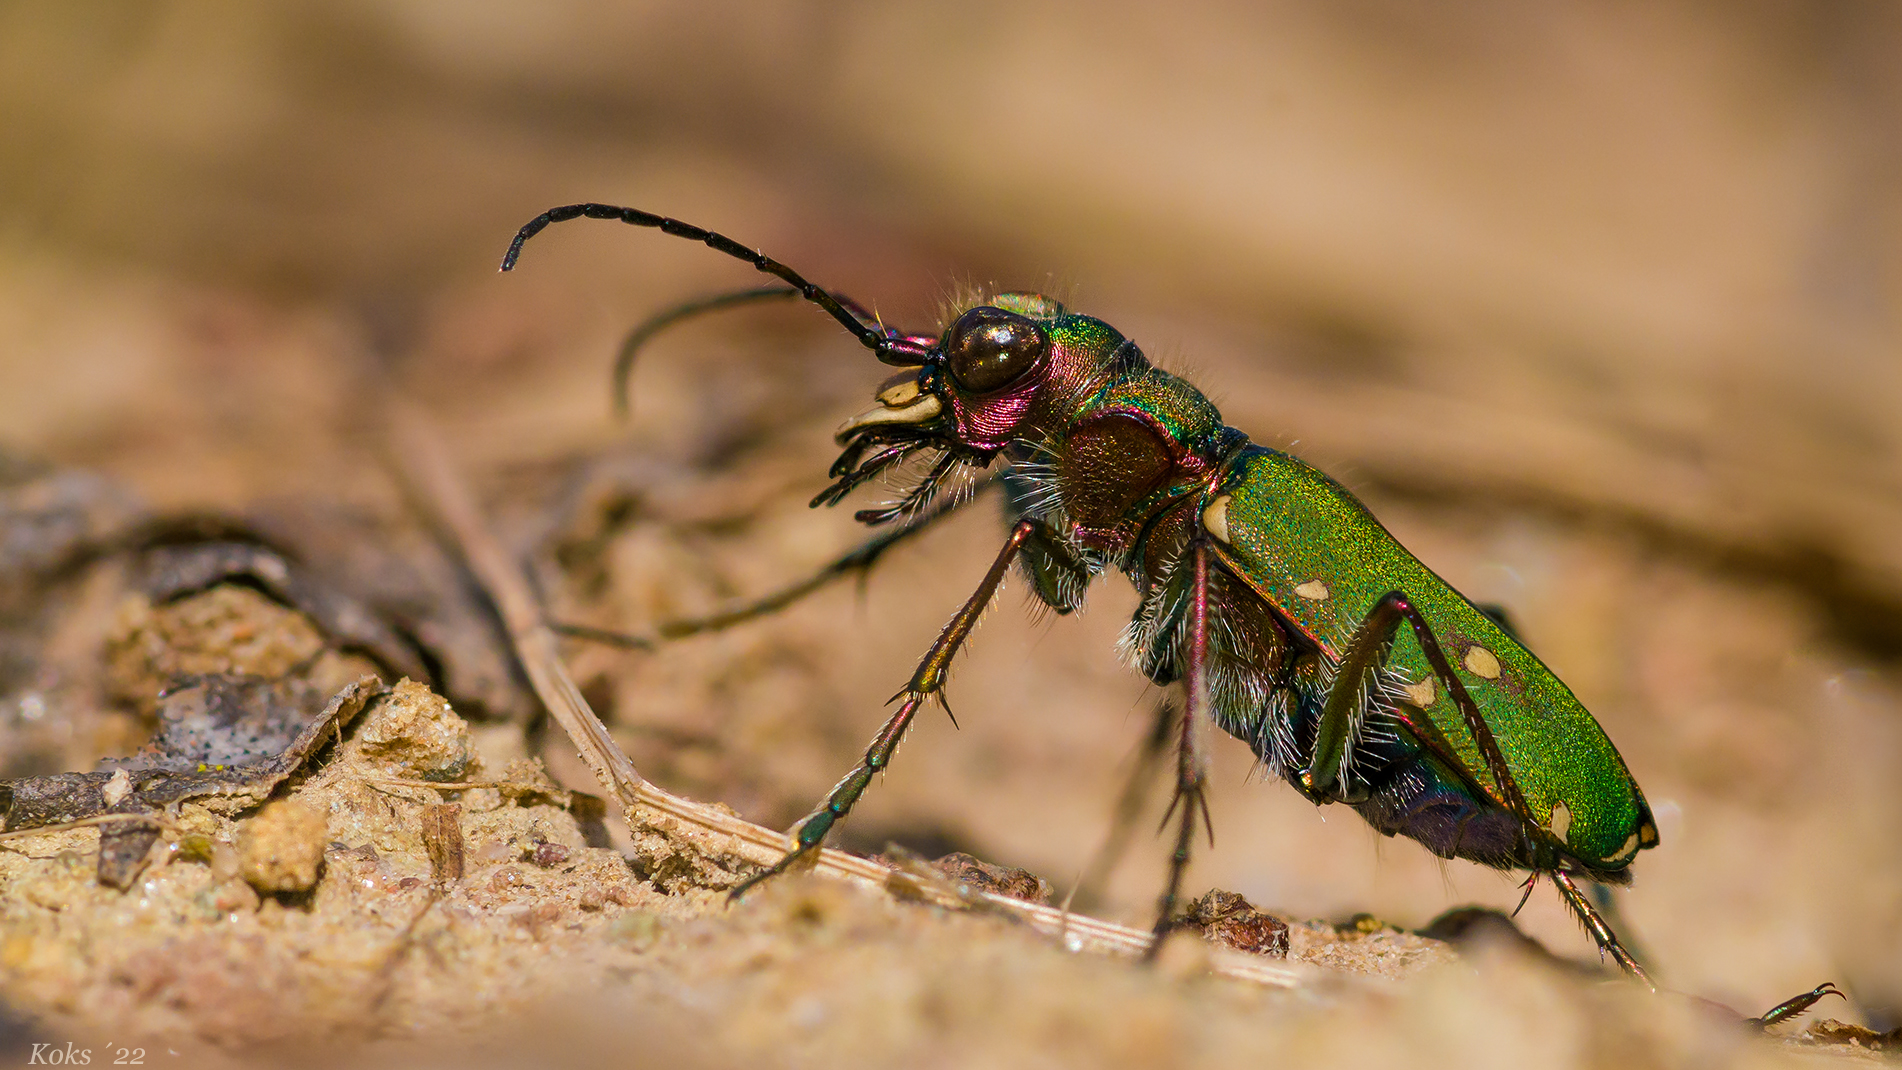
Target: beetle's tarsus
1795, 1005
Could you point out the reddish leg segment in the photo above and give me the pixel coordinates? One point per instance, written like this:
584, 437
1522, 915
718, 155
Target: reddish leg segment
1191, 778
928, 680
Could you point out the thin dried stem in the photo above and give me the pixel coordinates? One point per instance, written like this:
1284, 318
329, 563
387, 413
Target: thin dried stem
164, 824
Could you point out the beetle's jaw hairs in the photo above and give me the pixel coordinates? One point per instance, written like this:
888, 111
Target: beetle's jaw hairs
908, 419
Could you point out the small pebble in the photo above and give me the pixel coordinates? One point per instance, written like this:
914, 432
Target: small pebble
282, 849
542, 918
508, 879
495, 851
234, 897
548, 855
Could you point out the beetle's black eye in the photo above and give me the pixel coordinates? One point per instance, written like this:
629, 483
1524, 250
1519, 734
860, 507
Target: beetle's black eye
988, 348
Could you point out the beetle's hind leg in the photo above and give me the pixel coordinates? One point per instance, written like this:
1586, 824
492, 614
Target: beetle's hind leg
1608, 940
1363, 656
858, 561
1600, 929
1191, 774
926, 681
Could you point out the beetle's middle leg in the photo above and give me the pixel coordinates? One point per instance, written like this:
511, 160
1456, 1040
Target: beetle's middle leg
1191, 775
1129, 804
926, 681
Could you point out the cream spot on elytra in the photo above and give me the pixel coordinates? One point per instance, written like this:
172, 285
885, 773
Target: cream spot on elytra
1215, 518
1421, 694
1313, 591
1480, 662
1630, 848
1561, 820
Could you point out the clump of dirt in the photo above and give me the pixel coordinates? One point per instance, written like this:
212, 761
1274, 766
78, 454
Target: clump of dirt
282, 848
1231, 920
227, 629
319, 914
419, 737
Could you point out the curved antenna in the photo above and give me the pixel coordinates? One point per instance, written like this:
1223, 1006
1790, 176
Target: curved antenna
890, 350
653, 325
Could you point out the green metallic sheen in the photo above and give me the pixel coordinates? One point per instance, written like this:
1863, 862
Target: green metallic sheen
1289, 524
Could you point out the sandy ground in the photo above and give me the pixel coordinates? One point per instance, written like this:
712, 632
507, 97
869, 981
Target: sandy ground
1596, 308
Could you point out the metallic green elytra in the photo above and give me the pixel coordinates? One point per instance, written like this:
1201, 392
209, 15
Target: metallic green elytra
1291, 618
1314, 554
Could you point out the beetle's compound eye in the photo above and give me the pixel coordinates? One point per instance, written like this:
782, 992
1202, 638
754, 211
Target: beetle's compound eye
988, 348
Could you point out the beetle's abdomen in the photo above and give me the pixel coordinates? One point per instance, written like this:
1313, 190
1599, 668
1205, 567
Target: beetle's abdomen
1415, 797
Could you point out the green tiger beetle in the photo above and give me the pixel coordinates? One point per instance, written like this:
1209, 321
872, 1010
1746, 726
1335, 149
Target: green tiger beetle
1289, 616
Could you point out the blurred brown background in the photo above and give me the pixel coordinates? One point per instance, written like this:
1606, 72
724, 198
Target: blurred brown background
1596, 304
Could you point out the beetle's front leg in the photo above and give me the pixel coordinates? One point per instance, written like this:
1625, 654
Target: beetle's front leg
857, 561
928, 680
1191, 775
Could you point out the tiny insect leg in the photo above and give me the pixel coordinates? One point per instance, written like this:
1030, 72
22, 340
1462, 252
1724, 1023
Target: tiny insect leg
1595, 924
858, 560
1191, 777
1795, 1005
926, 681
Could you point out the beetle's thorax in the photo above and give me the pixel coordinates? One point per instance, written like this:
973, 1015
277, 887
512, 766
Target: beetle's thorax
1144, 448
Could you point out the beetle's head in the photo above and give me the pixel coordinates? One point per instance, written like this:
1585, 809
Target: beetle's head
1014, 368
